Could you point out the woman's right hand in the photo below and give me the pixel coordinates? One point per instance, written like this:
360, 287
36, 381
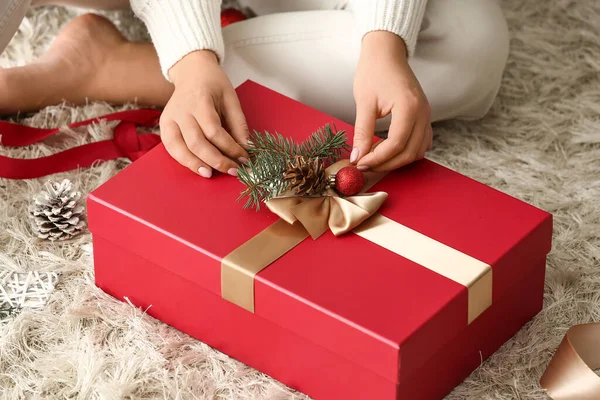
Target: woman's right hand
191, 125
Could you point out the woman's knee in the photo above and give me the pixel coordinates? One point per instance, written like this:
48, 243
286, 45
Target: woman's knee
461, 55
482, 52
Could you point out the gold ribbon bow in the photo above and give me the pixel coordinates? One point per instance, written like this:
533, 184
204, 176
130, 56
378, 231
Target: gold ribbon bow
338, 214
570, 374
301, 217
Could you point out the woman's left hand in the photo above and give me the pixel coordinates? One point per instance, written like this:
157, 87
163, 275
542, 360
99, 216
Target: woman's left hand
384, 84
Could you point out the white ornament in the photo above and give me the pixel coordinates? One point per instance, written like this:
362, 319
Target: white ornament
25, 290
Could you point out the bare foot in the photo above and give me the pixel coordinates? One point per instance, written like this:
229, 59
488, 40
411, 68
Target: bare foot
89, 60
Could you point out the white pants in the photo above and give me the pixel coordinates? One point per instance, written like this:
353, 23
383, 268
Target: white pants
308, 50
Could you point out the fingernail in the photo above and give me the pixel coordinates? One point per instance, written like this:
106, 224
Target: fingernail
243, 160
232, 171
362, 168
205, 172
354, 155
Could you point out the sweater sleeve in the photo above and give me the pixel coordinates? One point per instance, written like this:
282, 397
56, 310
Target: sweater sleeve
179, 27
402, 17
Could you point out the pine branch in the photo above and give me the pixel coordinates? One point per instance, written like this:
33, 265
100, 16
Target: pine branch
263, 178
271, 144
263, 175
324, 144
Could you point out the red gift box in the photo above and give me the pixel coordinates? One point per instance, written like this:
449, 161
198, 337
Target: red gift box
336, 317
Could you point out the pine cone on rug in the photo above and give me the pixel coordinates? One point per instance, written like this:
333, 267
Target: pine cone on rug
56, 212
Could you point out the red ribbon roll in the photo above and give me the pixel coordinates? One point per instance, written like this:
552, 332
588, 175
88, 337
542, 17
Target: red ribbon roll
126, 142
230, 16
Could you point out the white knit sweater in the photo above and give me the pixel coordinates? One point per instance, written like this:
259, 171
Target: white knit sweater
179, 27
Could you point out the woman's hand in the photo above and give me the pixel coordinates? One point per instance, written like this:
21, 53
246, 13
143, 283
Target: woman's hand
192, 123
384, 84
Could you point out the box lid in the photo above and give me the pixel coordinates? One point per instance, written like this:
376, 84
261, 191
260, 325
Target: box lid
346, 294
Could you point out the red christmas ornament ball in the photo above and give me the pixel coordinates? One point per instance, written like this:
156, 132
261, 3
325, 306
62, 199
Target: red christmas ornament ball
231, 15
349, 181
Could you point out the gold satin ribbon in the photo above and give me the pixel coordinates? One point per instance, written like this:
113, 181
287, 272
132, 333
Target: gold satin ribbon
570, 374
312, 216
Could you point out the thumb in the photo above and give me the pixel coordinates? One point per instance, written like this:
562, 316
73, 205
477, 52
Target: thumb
364, 130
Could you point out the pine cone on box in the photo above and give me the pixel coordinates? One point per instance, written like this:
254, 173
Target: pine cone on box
306, 177
56, 212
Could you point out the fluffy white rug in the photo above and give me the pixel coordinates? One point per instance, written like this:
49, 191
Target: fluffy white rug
540, 143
